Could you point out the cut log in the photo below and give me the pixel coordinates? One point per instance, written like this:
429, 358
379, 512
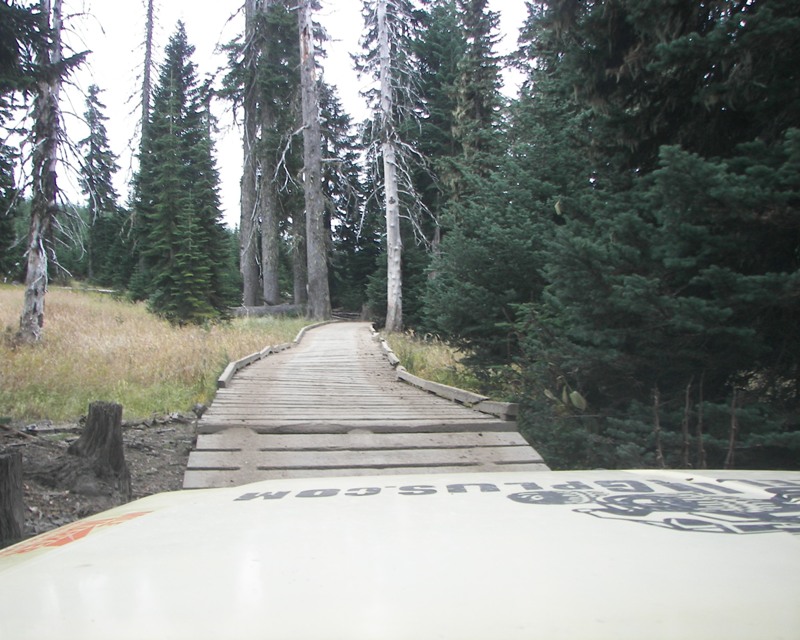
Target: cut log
12, 509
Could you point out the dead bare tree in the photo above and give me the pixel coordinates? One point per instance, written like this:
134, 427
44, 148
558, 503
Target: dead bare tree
394, 242
248, 222
390, 60
44, 206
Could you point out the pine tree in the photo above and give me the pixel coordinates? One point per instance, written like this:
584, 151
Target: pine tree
673, 270
179, 229
97, 184
478, 86
19, 37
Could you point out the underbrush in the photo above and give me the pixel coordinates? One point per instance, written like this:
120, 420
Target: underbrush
96, 347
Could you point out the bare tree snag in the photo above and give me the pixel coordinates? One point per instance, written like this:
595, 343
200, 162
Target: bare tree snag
394, 243
101, 445
12, 509
319, 299
147, 70
248, 221
44, 206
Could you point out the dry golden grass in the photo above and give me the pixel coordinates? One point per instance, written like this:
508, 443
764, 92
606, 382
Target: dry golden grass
98, 348
430, 358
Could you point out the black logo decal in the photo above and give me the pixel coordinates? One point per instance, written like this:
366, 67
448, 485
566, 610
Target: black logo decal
685, 510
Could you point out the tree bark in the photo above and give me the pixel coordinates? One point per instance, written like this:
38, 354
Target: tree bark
319, 300
248, 217
46, 133
12, 508
270, 230
299, 262
394, 243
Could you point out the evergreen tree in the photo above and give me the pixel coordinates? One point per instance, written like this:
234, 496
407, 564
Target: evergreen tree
673, 270
9, 259
106, 255
439, 49
478, 87
179, 230
19, 38
479, 267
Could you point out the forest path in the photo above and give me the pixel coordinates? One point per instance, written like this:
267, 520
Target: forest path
333, 406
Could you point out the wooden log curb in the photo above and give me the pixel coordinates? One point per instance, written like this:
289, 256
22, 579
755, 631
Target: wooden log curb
503, 410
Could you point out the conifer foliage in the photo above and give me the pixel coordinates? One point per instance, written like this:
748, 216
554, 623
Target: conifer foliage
107, 254
663, 334
181, 242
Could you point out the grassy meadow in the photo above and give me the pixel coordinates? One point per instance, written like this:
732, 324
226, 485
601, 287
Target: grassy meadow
96, 347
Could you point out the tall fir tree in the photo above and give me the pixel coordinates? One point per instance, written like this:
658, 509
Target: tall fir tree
20, 36
673, 270
108, 259
179, 231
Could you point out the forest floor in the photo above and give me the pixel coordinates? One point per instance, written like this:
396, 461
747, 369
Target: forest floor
156, 452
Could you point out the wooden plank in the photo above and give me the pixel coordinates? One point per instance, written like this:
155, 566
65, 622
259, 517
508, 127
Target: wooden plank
303, 414
238, 439
194, 479
331, 427
354, 459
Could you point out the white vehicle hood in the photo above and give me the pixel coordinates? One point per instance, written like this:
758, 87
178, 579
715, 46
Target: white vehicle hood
556, 555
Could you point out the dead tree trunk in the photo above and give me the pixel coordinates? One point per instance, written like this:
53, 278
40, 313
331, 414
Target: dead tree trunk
319, 299
12, 509
101, 444
394, 243
299, 263
270, 225
248, 223
147, 71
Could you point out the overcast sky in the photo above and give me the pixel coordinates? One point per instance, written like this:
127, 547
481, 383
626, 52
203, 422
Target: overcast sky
114, 30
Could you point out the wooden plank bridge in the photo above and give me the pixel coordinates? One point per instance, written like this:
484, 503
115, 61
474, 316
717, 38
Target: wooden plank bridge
333, 405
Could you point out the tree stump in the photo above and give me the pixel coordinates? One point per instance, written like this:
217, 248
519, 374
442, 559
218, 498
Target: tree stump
101, 444
12, 509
